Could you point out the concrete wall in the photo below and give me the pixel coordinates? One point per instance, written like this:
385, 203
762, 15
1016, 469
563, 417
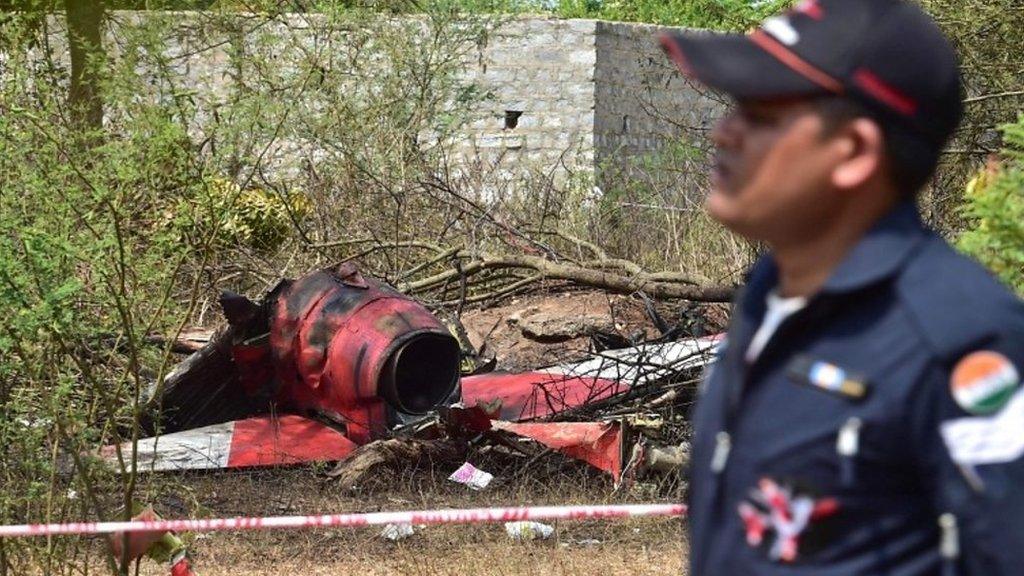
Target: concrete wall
590, 96
642, 102
594, 96
542, 70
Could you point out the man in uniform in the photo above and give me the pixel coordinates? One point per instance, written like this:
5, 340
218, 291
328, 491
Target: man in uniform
865, 416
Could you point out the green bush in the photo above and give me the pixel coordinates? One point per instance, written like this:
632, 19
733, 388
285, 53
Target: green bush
994, 208
713, 14
257, 218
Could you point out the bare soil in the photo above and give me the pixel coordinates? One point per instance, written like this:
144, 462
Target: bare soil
500, 328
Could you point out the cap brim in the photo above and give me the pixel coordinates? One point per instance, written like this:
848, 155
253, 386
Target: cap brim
734, 64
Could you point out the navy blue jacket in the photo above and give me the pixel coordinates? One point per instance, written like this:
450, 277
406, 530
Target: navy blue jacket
879, 432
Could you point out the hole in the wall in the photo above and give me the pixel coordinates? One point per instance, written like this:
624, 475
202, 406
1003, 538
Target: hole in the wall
625, 123
512, 119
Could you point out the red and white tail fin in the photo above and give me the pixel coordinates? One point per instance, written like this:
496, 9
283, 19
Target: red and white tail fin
258, 441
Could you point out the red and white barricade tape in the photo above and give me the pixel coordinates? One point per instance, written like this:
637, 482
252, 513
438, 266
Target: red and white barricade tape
449, 516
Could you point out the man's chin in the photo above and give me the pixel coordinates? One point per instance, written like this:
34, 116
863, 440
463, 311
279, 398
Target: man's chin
721, 205
724, 207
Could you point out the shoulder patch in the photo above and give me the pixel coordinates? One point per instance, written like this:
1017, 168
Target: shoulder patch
983, 382
996, 439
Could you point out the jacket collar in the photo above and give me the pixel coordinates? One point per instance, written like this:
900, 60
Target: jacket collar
878, 255
881, 252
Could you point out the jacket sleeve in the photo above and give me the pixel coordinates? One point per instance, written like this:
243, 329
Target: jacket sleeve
967, 427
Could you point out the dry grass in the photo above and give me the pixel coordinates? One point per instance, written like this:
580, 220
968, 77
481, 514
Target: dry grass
636, 546
453, 558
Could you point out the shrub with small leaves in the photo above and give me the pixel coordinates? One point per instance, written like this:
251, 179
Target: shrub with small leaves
994, 208
254, 217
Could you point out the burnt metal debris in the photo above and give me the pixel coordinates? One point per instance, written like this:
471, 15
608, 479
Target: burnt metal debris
334, 360
331, 344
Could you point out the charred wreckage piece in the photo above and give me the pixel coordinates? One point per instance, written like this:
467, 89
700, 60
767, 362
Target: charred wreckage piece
335, 360
331, 344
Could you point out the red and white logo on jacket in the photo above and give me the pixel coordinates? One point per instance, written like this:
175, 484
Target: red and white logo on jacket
776, 517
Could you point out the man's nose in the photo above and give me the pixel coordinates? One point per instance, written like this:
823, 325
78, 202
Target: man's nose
726, 133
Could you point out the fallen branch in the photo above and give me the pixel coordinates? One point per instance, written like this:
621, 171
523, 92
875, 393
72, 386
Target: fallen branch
593, 248
662, 285
983, 97
500, 293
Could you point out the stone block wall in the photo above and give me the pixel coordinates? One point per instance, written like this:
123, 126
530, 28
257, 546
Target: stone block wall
642, 104
566, 96
598, 97
540, 74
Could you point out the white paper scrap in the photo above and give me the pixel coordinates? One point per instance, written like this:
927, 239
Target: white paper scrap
395, 532
471, 476
521, 531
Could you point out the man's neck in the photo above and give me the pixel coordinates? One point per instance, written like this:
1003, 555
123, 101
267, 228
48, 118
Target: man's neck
805, 266
803, 271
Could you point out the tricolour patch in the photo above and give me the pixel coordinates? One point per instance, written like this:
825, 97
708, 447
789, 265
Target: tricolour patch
983, 382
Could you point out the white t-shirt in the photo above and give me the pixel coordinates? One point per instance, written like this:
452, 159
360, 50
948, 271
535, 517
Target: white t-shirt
778, 310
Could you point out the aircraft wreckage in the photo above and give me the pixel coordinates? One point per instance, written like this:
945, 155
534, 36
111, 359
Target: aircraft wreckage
335, 360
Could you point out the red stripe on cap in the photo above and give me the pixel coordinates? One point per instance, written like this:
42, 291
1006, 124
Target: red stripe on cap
796, 63
668, 44
884, 92
811, 8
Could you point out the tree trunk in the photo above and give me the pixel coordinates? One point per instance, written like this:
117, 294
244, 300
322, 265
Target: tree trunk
85, 19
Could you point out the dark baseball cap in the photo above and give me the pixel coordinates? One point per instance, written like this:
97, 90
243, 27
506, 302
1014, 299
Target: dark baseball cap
886, 54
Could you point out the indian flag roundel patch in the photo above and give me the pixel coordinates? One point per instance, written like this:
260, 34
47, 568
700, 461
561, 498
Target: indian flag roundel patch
983, 382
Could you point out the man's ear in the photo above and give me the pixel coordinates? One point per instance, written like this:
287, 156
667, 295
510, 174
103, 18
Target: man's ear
864, 151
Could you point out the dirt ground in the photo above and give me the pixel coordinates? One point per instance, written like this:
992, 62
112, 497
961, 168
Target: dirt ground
566, 321
642, 546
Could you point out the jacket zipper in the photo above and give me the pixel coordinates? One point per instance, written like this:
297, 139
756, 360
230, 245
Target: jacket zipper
848, 446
